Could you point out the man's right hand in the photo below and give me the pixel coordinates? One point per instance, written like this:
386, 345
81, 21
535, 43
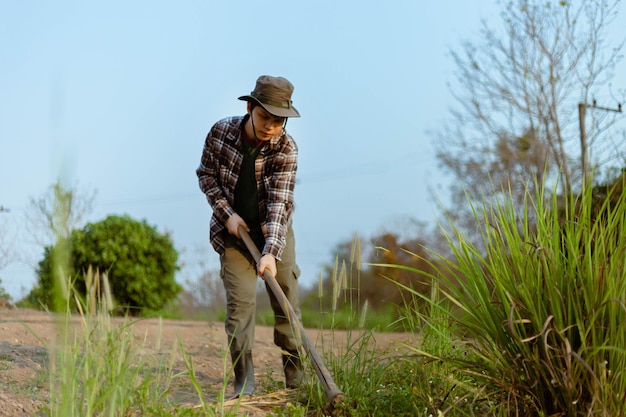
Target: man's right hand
233, 223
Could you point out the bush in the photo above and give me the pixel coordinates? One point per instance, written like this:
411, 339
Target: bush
139, 261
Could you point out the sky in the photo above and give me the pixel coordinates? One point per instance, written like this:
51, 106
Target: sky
118, 97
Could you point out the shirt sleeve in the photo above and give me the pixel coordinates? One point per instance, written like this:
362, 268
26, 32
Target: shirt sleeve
208, 172
280, 204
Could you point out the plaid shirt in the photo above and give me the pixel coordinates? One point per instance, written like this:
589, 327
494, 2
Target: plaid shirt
275, 170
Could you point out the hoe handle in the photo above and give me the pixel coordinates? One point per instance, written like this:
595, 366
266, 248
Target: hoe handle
333, 393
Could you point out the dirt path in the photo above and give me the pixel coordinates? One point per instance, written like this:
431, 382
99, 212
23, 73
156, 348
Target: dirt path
26, 334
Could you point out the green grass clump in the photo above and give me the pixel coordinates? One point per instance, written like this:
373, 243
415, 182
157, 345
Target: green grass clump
539, 315
96, 366
375, 382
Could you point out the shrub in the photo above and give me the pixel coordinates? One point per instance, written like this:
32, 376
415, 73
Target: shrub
139, 261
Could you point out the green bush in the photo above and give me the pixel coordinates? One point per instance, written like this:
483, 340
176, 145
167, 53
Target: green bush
139, 261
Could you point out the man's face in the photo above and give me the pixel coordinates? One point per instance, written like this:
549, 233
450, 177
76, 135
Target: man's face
266, 124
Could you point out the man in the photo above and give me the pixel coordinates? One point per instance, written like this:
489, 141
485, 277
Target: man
248, 173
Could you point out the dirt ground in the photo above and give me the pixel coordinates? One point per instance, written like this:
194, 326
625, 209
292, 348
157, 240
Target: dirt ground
26, 334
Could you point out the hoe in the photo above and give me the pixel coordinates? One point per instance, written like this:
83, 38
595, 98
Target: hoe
334, 394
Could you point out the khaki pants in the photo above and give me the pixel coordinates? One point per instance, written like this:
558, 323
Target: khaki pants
239, 275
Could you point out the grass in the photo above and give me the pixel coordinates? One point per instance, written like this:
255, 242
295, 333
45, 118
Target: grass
100, 367
531, 326
96, 368
346, 318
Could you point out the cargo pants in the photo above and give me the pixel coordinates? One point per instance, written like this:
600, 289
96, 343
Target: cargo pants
240, 277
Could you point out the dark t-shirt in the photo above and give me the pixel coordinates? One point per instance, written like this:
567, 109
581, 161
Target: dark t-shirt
246, 193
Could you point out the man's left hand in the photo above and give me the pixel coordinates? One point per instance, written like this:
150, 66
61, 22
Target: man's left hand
267, 263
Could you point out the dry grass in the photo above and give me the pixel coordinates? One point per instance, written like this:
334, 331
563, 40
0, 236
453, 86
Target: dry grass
255, 405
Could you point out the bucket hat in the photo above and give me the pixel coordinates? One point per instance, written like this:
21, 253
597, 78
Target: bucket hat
274, 95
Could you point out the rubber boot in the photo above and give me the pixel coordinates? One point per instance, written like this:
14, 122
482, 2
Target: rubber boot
292, 366
244, 373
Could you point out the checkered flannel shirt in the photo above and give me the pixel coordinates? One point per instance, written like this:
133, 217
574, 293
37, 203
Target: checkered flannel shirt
275, 169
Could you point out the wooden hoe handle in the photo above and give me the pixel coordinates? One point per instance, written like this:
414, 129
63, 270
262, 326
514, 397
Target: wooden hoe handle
333, 393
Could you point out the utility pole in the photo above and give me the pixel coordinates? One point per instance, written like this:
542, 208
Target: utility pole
582, 109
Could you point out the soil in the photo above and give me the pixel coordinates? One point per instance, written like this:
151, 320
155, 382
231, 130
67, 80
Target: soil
26, 335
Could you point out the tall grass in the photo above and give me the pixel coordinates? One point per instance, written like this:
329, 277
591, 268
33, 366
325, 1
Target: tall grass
540, 314
531, 325
376, 382
96, 367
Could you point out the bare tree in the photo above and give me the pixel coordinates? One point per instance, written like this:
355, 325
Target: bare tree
203, 296
7, 244
517, 94
57, 212
7, 253
203, 292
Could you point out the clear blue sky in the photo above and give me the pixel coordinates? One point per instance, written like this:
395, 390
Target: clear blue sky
119, 95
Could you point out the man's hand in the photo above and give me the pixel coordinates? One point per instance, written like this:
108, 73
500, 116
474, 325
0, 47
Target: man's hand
267, 263
233, 223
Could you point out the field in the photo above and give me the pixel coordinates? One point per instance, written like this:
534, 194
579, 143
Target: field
27, 335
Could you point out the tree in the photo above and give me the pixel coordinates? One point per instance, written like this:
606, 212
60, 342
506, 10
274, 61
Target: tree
5, 298
367, 279
409, 253
7, 254
203, 296
6, 245
57, 212
516, 119
140, 263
